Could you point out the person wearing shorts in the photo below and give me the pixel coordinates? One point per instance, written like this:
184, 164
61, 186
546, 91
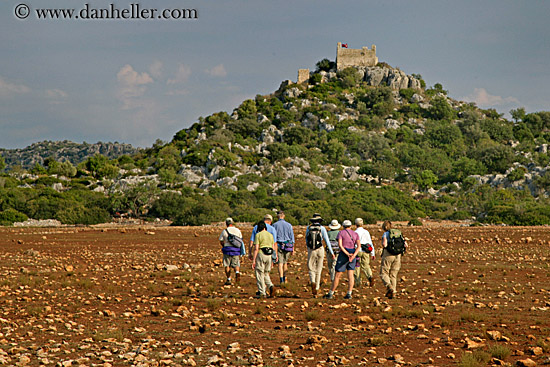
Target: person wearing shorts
231, 254
349, 244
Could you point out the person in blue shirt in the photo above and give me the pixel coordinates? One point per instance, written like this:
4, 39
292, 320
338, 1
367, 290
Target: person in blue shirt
268, 219
315, 235
285, 244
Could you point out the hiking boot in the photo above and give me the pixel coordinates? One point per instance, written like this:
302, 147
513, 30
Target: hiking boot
328, 296
227, 282
313, 289
347, 296
389, 293
271, 291
371, 281
237, 278
259, 295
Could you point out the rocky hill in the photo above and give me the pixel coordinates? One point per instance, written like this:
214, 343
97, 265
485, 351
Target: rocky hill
370, 142
63, 151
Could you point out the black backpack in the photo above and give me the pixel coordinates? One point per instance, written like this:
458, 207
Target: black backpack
396, 242
314, 237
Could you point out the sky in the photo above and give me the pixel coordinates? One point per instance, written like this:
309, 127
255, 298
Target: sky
138, 80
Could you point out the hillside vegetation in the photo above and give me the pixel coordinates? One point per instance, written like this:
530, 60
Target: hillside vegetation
347, 144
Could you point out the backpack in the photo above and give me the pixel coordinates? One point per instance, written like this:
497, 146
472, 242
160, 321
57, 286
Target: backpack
314, 237
233, 240
396, 242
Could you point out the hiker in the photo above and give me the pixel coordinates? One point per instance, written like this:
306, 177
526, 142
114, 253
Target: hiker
315, 235
285, 244
264, 246
334, 227
231, 249
349, 244
394, 245
366, 252
268, 219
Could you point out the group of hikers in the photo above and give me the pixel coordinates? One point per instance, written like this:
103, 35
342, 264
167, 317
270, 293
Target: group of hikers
347, 251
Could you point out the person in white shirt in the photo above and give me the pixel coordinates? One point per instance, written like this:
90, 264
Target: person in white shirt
365, 254
231, 254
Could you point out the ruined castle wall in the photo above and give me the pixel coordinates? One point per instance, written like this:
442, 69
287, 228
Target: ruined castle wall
346, 57
303, 76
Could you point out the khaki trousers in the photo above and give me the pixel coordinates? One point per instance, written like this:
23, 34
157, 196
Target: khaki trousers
364, 260
331, 266
389, 268
315, 260
263, 267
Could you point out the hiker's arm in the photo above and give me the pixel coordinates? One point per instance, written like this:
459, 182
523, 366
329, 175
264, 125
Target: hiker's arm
327, 240
342, 247
275, 247
357, 248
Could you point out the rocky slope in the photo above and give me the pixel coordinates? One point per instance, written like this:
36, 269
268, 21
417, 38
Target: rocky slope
63, 151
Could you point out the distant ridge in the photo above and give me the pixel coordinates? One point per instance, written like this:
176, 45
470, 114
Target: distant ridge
63, 151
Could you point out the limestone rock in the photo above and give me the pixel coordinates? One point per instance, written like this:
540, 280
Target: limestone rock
526, 363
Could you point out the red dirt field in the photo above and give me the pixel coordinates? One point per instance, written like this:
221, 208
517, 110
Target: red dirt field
107, 296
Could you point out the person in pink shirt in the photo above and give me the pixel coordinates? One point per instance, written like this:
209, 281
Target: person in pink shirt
349, 244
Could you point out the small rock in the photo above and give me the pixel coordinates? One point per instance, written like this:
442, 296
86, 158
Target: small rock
494, 334
526, 363
364, 319
470, 344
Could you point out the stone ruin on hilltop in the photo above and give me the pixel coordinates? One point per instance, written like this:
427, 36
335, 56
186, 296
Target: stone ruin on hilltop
366, 61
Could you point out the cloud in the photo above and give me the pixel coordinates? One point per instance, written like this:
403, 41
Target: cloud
182, 75
156, 69
132, 85
178, 92
218, 71
8, 89
56, 96
485, 100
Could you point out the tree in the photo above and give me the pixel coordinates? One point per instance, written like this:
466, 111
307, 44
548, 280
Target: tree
247, 109
95, 164
518, 114
2, 163
350, 77
441, 110
425, 179
325, 65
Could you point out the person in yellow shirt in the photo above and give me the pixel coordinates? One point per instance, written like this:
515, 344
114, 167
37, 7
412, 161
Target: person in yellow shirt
264, 246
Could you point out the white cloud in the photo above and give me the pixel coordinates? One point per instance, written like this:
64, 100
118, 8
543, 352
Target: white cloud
132, 85
156, 69
218, 70
182, 75
485, 100
8, 89
56, 96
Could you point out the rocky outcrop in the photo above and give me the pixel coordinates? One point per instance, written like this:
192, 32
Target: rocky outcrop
63, 151
393, 78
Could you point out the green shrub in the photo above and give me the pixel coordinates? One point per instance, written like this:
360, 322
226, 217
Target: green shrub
9, 216
476, 359
499, 351
414, 222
